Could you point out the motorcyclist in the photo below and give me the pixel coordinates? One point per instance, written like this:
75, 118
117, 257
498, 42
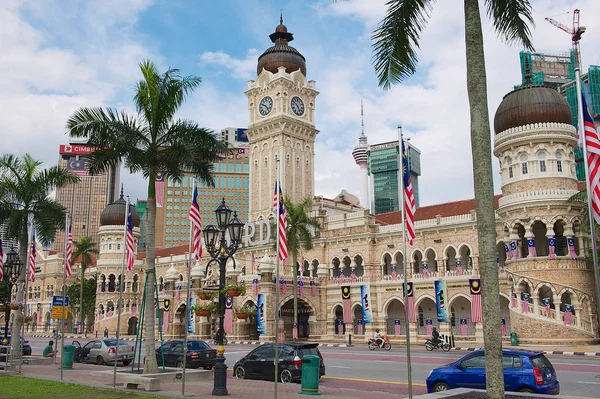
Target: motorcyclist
435, 337
377, 337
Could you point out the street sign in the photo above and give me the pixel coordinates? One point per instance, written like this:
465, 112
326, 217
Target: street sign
58, 300
57, 312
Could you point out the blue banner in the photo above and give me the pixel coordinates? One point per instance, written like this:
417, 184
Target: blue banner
191, 317
261, 314
365, 297
441, 300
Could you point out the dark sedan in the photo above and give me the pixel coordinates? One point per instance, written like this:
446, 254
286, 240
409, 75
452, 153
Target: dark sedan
26, 347
260, 363
199, 354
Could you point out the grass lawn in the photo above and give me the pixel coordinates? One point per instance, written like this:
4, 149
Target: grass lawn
29, 388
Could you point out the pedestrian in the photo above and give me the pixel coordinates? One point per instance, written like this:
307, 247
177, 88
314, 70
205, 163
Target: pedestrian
49, 350
105, 332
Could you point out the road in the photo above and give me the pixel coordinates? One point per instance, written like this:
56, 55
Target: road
386, 371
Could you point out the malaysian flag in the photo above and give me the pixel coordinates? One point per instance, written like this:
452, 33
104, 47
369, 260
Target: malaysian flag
130, 249
464, 327
394, 272
592, 145
77, 167
294, 330
347, 304
459, 269
397, 326
32, 260
525, 302
514, 250
411, 302
476, 308
546, 302
409, 197
568, 314
552, 247
1, 262
359, 327
428, 326
279, 209
159, 187
503, 323
196, 226
69, 253
425, 270
301, 288
531, 246
571, 243
508, 252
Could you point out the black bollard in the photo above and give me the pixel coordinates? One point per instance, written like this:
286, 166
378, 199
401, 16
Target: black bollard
350, 340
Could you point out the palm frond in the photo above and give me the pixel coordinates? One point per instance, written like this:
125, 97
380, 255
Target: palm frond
397, 38
511, 19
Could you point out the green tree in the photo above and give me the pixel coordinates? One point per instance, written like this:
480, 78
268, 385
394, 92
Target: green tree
84, 250
89, 298
395, 43
300, 226
151, 142
25, 204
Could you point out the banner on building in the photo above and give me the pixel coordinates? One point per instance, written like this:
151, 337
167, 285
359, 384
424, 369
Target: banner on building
191, 317
261, 314
365, 297
347, 304
228, 321
441, 300
408, 289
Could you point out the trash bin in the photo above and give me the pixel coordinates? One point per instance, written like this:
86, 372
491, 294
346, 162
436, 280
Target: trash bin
67, 356
74, 330
513, 339
310, 375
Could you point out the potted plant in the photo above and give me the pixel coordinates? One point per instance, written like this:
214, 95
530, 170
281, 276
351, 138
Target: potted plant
206, 295
2, 308
16, 306
28, 319
234, 290
204, 309
244, 312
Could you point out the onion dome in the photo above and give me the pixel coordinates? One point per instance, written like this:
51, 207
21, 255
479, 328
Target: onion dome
281, 54
531, 103
114, 214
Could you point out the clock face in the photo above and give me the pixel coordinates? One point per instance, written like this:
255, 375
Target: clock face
265, 106
297, 106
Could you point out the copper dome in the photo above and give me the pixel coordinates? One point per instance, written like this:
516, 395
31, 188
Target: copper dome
114, 214
531, 104
281, 54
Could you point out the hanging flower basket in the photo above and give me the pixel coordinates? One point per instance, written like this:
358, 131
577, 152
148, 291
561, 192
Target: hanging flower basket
204, 296
241, 315
16, 306
201, 312
234, 290
28, 319
204, 309
2, 308
21, 319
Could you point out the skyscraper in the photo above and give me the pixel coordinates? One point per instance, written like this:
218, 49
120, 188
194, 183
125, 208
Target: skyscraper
86, 199
383, 169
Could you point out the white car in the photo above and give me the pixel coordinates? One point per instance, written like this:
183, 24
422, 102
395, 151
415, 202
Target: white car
103, 351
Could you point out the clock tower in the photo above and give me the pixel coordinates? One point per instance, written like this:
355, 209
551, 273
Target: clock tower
282, 104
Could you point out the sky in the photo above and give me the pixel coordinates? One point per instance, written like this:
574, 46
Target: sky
59, 55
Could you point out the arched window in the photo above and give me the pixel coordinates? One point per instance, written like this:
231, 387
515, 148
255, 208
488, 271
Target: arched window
510, 168
524, 169
559, 167
542, 161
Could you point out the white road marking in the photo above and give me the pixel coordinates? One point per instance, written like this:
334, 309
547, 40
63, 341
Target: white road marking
339, 367
588, 382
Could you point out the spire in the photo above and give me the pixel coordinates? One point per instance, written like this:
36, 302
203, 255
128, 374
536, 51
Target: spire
281, 17
362, 119
122, 196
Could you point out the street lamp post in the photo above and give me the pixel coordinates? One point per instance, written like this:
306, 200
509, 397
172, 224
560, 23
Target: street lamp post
12, 270
222, 242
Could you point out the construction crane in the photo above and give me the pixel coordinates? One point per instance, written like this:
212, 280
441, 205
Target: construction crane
576, 31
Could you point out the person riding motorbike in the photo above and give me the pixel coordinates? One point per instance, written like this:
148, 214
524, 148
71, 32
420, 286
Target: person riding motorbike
377, 337
435, 337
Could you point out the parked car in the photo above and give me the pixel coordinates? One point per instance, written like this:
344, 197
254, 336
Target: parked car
103, 351
259, 364
524, 371
26, 346
199, 354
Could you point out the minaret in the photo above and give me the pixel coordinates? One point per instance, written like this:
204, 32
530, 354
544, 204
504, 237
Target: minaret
360, 157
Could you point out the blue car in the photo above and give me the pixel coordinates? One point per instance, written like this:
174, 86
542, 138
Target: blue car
524, 371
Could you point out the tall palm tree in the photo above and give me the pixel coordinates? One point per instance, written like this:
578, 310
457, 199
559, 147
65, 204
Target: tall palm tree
151, 142
25, 189
84, 249
395, 43
298, 234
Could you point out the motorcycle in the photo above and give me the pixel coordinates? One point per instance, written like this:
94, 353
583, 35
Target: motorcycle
443, 345
385, 343
215, 339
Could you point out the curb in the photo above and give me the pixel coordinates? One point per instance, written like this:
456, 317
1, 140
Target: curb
544, 352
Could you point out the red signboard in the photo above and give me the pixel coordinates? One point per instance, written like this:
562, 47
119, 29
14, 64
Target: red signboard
76, 149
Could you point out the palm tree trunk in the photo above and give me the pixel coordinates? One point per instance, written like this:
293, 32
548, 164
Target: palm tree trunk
81, 295
15, 341
295, 282
484, 199
150, 365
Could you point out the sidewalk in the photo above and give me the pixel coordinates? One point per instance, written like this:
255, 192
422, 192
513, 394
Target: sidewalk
242, 389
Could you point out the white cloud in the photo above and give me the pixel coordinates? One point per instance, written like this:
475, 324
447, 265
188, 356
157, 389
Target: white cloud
244, 68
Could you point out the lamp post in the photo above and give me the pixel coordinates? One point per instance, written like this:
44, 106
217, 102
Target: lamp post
221, 248
12, 269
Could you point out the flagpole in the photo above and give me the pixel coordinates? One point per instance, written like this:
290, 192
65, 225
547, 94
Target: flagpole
30, 237
276, 360
121, 286
64, 289
187, 297
588, 188
404, 269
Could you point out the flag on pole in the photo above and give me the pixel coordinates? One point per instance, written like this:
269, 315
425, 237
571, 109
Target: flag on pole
568, 314
279, 209
531, 246
196, 227
592, 143
397, 327
409, 197
476, 309
130, 247
347, 304
69, 253
32, 260
1, 262
464, 327
411, 302
159, 187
